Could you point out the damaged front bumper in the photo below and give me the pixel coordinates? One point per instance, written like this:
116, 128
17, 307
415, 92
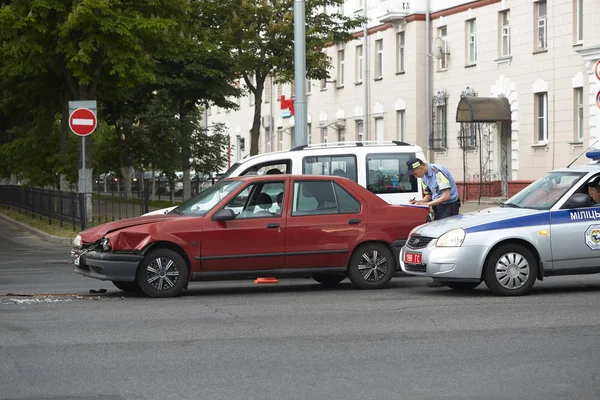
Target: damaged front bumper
106, 266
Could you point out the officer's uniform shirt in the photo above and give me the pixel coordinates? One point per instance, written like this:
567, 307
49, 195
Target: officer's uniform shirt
438, 179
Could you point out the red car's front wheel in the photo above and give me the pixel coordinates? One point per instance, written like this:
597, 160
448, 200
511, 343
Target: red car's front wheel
162, 273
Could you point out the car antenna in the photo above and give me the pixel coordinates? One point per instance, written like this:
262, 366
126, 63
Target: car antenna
582, 154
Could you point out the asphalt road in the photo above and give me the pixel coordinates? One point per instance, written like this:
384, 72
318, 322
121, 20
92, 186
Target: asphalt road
292, 340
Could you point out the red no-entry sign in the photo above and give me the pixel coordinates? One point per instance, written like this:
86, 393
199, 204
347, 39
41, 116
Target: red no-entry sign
82, 122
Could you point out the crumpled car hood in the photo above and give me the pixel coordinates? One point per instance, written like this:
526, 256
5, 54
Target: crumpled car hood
95, 233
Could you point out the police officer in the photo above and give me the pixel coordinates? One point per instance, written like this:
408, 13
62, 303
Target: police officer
594, 190
440, 190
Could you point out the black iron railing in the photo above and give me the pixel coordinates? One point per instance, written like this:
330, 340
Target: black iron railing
77, 209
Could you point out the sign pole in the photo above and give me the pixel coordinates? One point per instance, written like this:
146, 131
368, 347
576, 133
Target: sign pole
83, 121
83, 164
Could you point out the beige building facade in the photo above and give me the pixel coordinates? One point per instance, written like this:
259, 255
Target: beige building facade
538, 55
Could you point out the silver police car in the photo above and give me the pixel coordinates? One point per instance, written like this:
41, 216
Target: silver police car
552, 227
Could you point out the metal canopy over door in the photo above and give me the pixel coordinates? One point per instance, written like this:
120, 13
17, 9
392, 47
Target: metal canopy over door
485, 128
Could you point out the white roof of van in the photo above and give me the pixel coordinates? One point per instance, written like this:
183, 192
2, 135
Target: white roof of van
339, 147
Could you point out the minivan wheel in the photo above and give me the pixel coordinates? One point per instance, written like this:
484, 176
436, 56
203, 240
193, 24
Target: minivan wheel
162, 273
511, 270
371, 266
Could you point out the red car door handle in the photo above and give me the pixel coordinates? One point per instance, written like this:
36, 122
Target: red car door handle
354, 221
273, 225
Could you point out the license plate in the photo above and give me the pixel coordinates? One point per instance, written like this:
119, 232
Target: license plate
412, 258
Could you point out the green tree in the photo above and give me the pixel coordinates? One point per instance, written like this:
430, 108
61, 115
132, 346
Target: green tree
84, 46
197, 69
261, 33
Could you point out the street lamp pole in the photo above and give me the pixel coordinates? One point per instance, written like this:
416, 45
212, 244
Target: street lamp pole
300, 112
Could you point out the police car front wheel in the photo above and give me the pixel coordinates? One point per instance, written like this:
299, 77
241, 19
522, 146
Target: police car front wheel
511, 270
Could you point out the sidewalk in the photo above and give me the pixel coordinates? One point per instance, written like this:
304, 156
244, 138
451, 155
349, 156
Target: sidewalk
470, 206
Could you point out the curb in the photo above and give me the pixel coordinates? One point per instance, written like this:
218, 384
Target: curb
42, 235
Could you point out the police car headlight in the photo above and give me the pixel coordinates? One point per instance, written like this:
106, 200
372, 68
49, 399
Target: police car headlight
77, 241
453, 238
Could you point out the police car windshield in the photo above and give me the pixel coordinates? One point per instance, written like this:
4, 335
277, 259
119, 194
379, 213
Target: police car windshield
545, 192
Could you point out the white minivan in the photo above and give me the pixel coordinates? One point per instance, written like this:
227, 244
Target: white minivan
378, 166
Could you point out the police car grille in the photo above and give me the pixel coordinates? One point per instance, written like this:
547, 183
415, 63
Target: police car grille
415, 268
418, 242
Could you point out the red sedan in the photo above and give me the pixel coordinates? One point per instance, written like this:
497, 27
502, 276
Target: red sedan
323, 227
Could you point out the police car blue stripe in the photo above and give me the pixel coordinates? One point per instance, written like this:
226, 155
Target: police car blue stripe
518, 222
572, 216
544, 218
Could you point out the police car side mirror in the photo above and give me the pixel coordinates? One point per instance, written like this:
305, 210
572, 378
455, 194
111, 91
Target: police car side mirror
579, 200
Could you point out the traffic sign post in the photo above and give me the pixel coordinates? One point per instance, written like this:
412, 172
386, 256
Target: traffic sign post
82, 122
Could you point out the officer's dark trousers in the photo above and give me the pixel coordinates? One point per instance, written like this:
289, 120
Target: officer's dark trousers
442, 211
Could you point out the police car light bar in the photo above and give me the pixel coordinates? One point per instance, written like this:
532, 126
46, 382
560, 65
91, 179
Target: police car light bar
593, 155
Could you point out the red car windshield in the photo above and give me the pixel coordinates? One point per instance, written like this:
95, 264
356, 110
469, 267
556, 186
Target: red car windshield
204, 201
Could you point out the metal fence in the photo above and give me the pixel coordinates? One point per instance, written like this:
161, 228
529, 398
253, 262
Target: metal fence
111, 206
70, 208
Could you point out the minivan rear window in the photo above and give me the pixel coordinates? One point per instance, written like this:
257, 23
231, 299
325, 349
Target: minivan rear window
388, 173
342, 165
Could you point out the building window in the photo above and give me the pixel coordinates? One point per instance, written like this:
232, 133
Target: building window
443, 34
279, 139
400, 52
359, 131
541, 32
279, 91
250, 93
324, 134
379, 131
359, 4
340, 68
268, 140
309, 133
578, 24
578, 117
379, 59
467, 137
541, 117
267, 90
471, 42
292, 89
342, 134
359, 64
401, 125
504, 20
439, 136
308, 86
